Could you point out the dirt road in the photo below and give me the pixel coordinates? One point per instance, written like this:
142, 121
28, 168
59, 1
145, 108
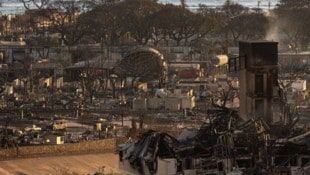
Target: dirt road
75, 165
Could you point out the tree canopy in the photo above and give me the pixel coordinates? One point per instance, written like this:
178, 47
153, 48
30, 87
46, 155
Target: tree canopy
293, 21
148, 22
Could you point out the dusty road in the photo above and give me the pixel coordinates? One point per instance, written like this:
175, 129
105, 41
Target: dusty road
74, 164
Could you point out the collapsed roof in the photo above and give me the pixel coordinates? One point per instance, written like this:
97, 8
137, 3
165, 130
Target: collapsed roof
222, 137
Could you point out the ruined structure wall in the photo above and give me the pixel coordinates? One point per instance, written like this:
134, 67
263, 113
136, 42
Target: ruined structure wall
258, 73
242, 96
52, 150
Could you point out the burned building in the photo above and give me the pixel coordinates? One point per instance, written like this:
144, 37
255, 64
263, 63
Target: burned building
246, 141
221, 147
257, 67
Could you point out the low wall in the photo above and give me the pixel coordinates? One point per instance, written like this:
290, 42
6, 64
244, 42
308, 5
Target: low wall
105, 145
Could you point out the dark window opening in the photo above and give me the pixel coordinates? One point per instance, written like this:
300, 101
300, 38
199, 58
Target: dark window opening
220, 166
259, 84
259, 107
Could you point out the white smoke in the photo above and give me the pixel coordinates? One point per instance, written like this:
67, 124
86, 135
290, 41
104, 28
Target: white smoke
273, 33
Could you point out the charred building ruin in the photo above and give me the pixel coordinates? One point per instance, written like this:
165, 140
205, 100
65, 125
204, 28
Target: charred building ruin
250, 141
257, 66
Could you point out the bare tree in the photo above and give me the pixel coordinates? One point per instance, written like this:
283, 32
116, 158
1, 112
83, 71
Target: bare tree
90, 79
289, 72
39, 4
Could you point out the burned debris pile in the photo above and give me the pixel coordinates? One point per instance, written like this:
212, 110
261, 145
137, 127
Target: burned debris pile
151, 145
224, 144
259, 136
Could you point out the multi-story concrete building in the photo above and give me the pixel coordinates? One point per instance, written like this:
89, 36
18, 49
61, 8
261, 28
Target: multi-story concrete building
257, 66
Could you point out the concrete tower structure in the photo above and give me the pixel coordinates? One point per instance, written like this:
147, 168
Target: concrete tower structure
257, 66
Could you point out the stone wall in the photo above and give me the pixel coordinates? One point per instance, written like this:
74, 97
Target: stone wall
106, 145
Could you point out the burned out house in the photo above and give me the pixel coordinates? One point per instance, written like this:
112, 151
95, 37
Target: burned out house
261, 137
222, 146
